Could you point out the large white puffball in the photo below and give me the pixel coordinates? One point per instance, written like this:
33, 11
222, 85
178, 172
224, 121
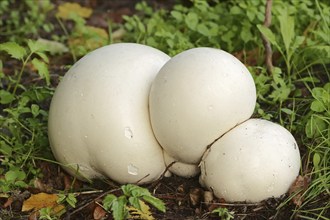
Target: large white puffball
256, 160
196, 97
99, 118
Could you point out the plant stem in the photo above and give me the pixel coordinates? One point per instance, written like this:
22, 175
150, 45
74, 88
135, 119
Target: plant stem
269, 52
74, 57
21, 73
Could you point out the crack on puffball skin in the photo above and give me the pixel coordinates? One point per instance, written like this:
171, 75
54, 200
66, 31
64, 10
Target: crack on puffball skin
210, 145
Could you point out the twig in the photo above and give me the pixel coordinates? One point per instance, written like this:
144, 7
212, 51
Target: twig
267, 22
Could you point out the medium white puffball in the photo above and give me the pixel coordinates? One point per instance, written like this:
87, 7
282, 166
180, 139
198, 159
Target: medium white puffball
196, 97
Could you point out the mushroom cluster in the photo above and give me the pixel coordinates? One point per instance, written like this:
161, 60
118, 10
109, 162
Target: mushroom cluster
126, 111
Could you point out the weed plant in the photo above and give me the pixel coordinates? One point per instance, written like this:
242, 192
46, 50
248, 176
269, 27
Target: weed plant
16, 26
23, 120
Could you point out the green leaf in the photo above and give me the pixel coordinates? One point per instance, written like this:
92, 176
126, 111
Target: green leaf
118, 208
314, 127
53, 47
177, 15
134, 190
202, 29
246, 35
35, 46
309, 79
251, 15
43, 56
318, 106
138, 192
5, 149
15, 175
35, 110
316, 160
6, 97
317, 92
127, 189
21, 184
108, 201
297, 42
14, 50
191, 20
322, 94
61, 198
287, 29
71, 200
135, 202
277, 76
235, 10
42, 69
280, 94
157, 203
224, 213
268, 34
287, 111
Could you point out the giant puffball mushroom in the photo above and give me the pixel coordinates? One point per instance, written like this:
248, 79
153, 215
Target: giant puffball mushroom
99, 118
256, 160
196, 97
179, 168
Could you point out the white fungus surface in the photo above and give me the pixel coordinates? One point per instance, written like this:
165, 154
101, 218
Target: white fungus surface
196, 97
179, 168
99, 116
256, 160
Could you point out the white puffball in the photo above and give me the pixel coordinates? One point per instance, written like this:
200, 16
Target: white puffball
256, 160
99, 116
196, 97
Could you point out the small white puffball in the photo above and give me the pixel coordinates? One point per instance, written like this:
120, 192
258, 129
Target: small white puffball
256, 160
99, 118
181, 169
196, 97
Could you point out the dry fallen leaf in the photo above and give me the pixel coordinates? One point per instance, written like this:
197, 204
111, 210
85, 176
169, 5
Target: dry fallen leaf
8, 202
65, 9
144, 213
99, 213
208, 197
42, 200
298, 187
43, 187
91, 38
34, 216
195, 196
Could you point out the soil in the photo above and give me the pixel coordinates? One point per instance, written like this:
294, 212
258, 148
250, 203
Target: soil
184, 198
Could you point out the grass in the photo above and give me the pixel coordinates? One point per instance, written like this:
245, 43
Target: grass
295, 95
